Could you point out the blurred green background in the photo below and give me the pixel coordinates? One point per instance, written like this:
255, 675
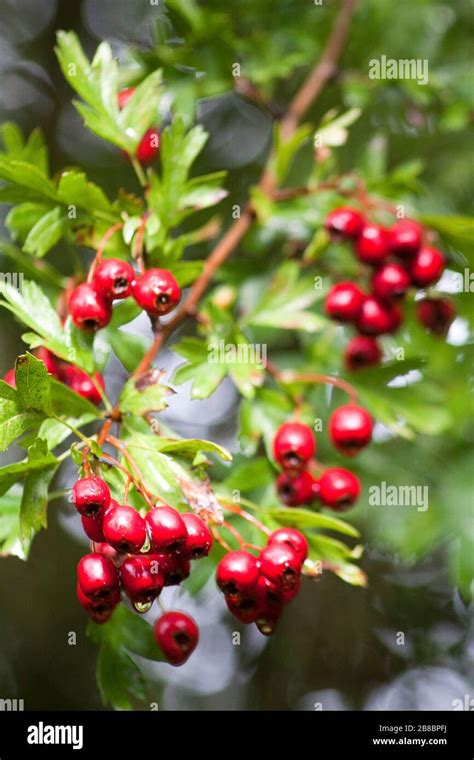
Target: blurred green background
337, 649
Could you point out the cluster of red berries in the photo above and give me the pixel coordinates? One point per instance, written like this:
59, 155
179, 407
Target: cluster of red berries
139, 556
90, 304
399, 260
257, 588
150, 143
294, 446
75, 378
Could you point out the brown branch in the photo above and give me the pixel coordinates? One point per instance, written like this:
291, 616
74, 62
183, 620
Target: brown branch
297, 108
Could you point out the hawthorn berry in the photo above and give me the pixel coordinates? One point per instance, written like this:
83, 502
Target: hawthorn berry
9, 378
292, 538
426, 267
389, 282
237, 574
338, 488
344, 222
404, 238
113, 278
150, 143
49, 360
245, 610
344, 301
141, 578
90, 496
82, 383
108, 551
99, 610
362, 351
124, 528
97, 576
199, 541
281, 565
93, 528
436, 314
174, 568
350, 429
156, 291
297, 490
293, 445
88, 309
371, 245
177, 635
167, 529
376, 318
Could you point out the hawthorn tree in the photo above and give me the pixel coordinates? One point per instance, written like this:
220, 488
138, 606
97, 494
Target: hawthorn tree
284, 265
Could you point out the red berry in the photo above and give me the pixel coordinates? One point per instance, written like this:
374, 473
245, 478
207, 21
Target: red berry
124, 96
376, 318
106, 550
156, 291
362, 351
9, 378
297, 490
404, 238
344, 222
49, 360
344, 301
88, 309
426, 267
237, 574
338, 488
281, 565
390, 281
91, 496
99, 610
93, 528
113, 278
148, 147
199, 541
292, 538
350, 429
97, 576
371, 246
174, 568
167, 530
150, 143
245, 610
124, 528
141, 578
177, 635
293, 445
81, 383
436, 314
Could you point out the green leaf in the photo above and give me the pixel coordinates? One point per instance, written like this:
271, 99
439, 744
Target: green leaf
250, 475
333, 132
14, 420
32, 307
38, 458
35, 184
129, 348
260, 417
118, 677
23, 217
308, 519
33, 268
284, 304
75, 189
189, 447
9, 523
33, 384
145, 394
34, 502
46, 232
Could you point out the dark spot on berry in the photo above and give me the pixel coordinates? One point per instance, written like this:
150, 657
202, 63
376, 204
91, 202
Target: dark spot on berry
163, 299
182, 639
90, 324
292, 458
120, 284
230, 589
